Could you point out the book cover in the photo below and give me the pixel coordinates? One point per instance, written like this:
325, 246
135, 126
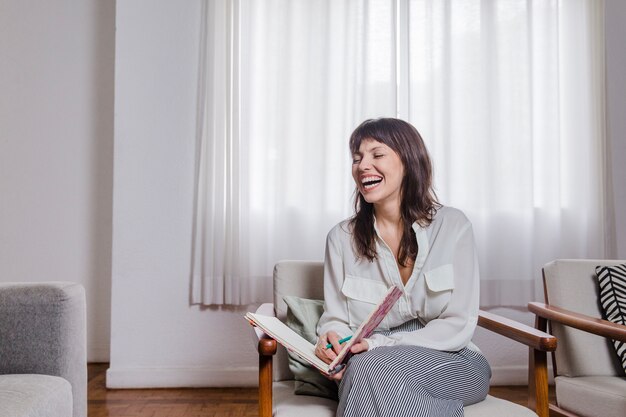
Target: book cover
295, 343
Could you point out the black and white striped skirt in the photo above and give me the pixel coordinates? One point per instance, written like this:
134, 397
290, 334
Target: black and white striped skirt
412, 381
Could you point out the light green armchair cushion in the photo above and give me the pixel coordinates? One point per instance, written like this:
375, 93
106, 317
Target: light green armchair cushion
302, 317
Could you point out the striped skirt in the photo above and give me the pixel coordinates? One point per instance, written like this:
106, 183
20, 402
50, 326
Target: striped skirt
412, 381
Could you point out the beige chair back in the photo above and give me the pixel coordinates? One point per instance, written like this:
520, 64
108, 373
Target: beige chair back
573, 285
303, 279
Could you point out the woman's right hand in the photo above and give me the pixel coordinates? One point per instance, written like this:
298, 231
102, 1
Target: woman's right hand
328, 354
324, 353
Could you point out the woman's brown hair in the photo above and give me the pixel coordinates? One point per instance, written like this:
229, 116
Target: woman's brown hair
418, 199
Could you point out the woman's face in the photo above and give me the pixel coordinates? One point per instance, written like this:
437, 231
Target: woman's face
378, 172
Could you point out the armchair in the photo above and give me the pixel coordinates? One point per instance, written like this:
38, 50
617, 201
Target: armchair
276, 382
43, 363
589, 380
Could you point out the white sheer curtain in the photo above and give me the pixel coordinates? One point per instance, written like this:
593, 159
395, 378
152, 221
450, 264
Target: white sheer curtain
507, 94
509, 97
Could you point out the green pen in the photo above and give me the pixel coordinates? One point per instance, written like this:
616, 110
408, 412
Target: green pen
345, 339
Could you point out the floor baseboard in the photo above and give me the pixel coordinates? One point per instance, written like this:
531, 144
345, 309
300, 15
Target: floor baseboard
180, 377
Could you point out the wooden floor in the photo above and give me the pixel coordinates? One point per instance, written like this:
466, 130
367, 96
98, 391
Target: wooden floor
204, 402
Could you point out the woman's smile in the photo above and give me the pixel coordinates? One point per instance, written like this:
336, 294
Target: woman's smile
370, 182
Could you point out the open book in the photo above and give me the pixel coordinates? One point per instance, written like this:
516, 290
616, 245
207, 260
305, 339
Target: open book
305, 350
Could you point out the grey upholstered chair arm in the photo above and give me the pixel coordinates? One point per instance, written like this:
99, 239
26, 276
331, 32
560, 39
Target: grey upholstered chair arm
266, 309
43, 331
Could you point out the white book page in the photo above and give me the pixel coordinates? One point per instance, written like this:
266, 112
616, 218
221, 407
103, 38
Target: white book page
288, 338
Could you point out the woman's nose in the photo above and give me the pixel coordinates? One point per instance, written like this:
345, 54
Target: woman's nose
365, 165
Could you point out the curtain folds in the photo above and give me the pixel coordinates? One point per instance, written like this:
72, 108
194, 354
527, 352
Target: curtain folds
216, 270
507, 95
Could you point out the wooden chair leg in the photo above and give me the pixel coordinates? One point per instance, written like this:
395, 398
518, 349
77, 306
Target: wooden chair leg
538, 377
538, 383
265, 386
267, 348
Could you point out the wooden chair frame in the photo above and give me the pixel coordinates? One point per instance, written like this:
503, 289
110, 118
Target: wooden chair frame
538, 341
546, 313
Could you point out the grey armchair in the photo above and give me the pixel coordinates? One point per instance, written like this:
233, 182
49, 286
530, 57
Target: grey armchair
43, 363
276, 382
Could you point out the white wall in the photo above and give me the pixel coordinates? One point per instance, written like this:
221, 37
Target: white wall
157, 338
56, 149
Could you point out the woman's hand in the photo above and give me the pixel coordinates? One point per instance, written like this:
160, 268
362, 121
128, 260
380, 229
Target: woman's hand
329, 354
362, 346
324, 353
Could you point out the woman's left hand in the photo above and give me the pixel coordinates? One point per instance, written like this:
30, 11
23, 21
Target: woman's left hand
362, 346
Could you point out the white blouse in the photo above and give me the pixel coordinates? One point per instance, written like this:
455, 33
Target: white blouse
442, 291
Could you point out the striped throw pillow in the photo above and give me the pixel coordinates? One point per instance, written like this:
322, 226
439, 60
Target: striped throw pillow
612, 280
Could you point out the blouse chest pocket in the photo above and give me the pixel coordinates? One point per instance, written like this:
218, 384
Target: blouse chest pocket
362, 296
439, 288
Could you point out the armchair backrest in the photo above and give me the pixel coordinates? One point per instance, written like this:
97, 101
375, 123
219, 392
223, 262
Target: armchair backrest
303, 279
573, 285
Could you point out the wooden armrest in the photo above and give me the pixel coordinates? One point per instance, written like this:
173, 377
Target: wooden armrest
267, 346
539, 342
579, 321
519, 332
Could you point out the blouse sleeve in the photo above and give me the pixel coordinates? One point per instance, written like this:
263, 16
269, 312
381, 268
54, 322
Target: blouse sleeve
454, 328
335, 316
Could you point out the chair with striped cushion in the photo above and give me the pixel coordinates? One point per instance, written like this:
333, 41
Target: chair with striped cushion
588, 376
276, 382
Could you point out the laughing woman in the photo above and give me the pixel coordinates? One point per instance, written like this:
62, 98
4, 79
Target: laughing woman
420, 361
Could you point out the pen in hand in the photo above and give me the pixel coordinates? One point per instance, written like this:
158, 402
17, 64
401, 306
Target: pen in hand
345, 339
